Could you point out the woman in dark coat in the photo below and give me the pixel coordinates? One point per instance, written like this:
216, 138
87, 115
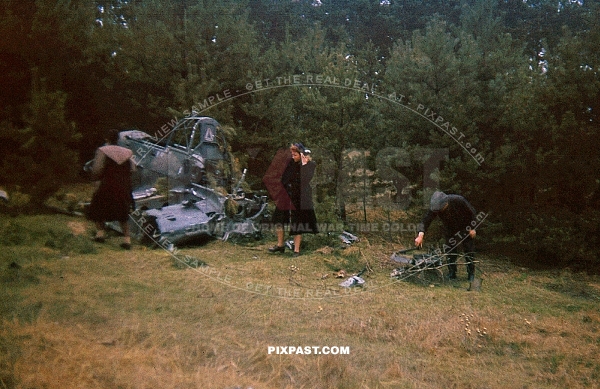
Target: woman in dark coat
113, 200
294, 205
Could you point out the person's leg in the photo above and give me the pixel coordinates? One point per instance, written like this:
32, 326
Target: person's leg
451, 257
452, 265
280, 247
280, 236
469, 249
280, 219
100, 233
297, 242
126, 235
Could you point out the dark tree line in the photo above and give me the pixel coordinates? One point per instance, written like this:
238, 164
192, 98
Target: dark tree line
506, 89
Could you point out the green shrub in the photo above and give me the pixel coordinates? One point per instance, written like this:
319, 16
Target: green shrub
559, 237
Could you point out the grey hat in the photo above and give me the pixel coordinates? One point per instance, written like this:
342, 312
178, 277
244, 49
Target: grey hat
438, 201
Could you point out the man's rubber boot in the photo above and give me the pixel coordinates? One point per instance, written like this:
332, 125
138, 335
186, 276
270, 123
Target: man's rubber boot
452, 266
471, 271
452, 272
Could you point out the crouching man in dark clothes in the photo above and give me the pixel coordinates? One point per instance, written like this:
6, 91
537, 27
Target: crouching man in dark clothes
458, 217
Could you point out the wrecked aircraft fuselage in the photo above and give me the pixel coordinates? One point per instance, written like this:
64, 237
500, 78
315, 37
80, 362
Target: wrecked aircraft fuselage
203, 213
184, 186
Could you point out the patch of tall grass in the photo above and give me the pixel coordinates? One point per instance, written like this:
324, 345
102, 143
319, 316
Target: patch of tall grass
51, 231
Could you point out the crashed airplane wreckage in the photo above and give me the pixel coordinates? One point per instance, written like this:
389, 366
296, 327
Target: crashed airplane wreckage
183, 186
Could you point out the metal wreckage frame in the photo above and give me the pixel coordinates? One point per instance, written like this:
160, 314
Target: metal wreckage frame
419, 266
184, 187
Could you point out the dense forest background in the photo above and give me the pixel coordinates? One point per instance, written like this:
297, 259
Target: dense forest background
500, 98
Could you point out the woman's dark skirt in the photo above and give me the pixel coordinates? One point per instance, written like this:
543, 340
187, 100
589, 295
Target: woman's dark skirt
302, 221
110, 205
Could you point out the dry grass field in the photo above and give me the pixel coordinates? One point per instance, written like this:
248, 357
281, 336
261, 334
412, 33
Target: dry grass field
77, 314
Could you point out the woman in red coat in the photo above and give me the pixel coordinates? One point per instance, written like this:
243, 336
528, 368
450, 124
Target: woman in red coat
294, 205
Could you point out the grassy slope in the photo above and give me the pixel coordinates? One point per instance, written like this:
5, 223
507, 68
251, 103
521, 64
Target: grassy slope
80, 314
